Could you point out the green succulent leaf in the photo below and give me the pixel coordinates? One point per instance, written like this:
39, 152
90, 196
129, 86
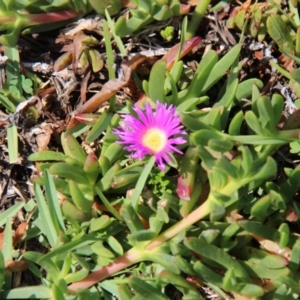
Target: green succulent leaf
217, 255
69, 172
145, 289
47, 156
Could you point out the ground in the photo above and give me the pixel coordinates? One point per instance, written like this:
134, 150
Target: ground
64, 82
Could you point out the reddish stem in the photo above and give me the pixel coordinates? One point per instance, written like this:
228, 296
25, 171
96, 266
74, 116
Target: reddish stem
51, 17
133, 255
129, 258
187, 46
7, 19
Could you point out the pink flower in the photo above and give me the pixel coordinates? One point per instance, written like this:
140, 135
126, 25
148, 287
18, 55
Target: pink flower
152, 133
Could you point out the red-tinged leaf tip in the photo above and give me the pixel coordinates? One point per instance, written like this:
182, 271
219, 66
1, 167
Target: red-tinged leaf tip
184, 9
51, 17
292, 216
86, 118
183, 191
92, 156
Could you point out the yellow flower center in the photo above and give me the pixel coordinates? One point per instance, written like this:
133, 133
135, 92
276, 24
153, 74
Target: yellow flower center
154, 139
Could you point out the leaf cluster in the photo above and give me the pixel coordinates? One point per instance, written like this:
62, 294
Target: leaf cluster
35, 16
218, 217
161, 228
146, 12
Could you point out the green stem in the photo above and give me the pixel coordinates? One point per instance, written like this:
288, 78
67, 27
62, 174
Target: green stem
198, 214
130, 257
135, 255
197, 17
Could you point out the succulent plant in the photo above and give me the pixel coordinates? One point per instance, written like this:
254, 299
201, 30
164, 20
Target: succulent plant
148, 11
